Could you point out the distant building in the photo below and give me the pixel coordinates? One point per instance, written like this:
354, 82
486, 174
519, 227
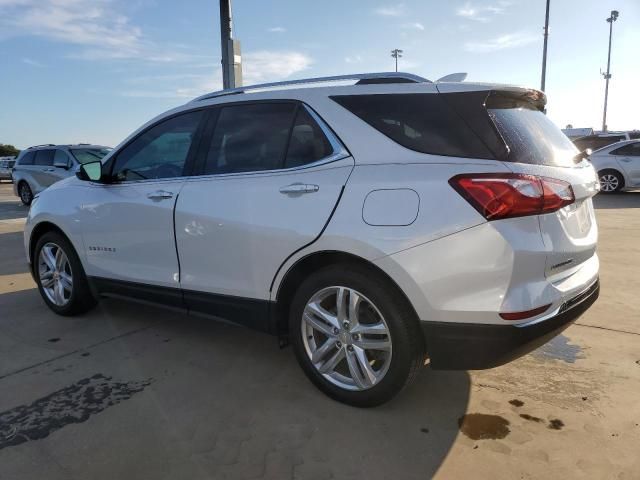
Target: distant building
577, 132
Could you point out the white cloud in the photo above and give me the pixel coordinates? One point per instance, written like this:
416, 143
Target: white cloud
31, 62
277, 30
481, 13
353, 59
258, 67
413, 26
390, 10
511, 40
94, 26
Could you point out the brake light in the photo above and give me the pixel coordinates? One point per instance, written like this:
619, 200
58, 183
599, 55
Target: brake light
507, 195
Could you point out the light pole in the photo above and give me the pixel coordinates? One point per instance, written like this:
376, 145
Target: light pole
607, 76
396, 53
544, 49
230, 49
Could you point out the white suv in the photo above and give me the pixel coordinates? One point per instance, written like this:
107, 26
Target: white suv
377, 225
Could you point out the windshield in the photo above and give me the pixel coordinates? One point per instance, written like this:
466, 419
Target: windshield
86, 155
529, 134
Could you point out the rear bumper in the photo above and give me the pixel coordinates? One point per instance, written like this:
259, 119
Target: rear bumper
468, 346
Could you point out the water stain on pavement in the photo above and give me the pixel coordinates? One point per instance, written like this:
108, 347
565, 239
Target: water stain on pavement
531, 418
479, 426
556, 424
72, 404
559, 348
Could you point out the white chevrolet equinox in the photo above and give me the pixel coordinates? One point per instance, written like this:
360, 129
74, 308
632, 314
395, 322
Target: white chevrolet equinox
378, 222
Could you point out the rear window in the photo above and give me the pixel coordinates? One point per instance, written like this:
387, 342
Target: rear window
529, 134
422, 122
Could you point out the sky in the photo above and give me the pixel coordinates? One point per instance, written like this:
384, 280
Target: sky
95, 70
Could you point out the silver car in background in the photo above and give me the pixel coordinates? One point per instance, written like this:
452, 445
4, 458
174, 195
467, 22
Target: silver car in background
6, 165
39, 167
618, 166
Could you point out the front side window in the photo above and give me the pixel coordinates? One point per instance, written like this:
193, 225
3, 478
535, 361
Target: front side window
250, 138
85, 155
44, 158
60, 158
159, 152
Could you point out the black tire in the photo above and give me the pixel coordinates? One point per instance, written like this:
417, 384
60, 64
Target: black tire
81, 298
25, 193
612, 180
408, 350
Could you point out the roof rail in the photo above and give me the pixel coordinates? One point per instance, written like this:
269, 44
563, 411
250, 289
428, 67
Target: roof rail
363, 78
43, 145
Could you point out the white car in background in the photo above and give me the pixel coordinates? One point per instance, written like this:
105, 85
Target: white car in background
618, 166
374, 225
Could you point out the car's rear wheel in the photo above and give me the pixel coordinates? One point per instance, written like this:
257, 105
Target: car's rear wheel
611, 181
26, 195
355, 337
60, 276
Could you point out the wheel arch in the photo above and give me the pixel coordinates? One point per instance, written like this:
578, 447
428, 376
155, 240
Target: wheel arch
615, 170
39, 230
311, 263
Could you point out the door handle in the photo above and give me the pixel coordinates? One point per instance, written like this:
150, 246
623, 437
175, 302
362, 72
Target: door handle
299, 188
50, 170
160, 195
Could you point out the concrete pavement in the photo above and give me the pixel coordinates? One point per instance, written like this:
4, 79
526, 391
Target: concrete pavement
132, 391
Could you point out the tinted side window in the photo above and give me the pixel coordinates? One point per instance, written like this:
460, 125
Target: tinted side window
420, 122
27, 158
307, 142
159, 152
44, 158
61, 157
632, 150
250, 138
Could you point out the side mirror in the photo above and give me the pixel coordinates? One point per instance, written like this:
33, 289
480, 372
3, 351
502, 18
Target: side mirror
91, 172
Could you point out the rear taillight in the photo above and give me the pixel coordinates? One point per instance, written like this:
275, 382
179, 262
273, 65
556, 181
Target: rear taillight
508, 195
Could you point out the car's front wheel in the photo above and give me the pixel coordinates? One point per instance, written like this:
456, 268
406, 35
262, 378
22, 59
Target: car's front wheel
611, 181
355, 337
60, 276
26, 195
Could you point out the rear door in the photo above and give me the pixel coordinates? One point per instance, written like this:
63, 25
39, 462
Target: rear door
271, 175
42, 168
628, 158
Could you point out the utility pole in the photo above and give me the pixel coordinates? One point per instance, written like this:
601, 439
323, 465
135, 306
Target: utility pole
230, 48
543, 82
607, 76
396, 53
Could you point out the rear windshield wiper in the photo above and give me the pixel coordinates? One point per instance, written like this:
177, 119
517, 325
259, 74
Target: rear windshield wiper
582, 155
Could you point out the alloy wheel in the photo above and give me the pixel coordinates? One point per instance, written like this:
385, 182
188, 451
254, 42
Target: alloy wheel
609, 182
25, 193
54, 272
346, 338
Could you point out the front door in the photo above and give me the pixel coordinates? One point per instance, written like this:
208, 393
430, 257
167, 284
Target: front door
270, 181
128, 224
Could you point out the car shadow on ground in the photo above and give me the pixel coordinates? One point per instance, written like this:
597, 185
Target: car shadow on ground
12, 210
617, 200
235, 403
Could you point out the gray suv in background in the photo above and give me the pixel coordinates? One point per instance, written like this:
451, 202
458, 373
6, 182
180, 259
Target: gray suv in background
6, 165
38, 167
